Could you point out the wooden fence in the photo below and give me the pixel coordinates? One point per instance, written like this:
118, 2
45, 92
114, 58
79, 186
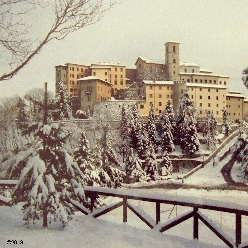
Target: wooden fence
196, 204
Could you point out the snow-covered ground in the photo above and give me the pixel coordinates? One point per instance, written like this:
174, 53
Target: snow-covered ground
210, 174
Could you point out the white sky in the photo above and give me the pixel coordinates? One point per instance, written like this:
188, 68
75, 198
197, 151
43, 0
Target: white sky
212, 34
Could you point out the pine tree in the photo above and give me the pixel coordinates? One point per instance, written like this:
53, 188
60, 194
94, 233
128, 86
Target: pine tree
226, 127
82, 153
170, 113
133, 166
50, 178
150, 165
166, 167
211, 132
109, 160
189, 142
186, 126
22, 118
62, 103
166, 137
151, 127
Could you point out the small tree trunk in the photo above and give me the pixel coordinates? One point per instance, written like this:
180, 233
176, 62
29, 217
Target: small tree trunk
45, 218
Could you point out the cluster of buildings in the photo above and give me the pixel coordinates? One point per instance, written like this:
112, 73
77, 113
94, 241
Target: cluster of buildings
153, 82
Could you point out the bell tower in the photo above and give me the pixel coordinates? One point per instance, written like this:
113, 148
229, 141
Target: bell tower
172, 60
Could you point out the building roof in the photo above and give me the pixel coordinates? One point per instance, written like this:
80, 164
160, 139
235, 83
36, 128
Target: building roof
188, 64
203, 74
102, 63
158, 82
149, 61
171, 41
206, 85
89, 78
202, 70
100, 67
235, 94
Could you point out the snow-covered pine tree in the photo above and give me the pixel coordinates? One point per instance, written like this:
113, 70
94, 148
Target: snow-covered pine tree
50, 178
22, 118
109, 160
151, 128
226, 127
189, 142
169, 111
166, 136
211, 132
165, 165
133, 165
62, 103
82, 153
150, 165
185, 130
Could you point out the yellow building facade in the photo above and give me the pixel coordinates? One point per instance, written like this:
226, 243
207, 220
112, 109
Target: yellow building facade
93, 90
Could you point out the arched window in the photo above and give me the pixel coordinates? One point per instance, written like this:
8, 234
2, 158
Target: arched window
174, 49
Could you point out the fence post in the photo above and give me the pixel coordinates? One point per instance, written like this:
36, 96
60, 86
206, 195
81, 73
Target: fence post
157, 212
124, 209
238, 229
196, 226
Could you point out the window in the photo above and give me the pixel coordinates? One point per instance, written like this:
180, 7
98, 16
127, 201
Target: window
188, 80
200, 80
210, 81
238, 106
214, 81
160, 111
208, 97
121, 69
200, 104
217, 90
185, 70
196, 81
115, 69
71, 90
220, 82
193, 70
174, 49
217, 112
168, 96
174, 61
206, 81
224, 82
94, 73
159, 96
150, 87
209, 105
192, 97
141, 106
217, 105
168, 87
160, 104
77, 69
200, 97
106, 73
82, 70
150, 95
115, 76
217, 98
200, 89
208, 90
160, 87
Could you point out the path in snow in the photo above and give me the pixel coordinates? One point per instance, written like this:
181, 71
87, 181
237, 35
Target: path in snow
210, 174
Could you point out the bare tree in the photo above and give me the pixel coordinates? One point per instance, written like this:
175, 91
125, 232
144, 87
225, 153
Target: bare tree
17, 43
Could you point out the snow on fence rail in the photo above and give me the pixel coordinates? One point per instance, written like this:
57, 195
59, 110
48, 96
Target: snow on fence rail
196, 203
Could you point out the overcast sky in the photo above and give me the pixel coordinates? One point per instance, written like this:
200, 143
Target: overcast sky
212, 33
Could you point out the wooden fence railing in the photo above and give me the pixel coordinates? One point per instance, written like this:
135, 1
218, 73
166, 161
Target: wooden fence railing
192, 202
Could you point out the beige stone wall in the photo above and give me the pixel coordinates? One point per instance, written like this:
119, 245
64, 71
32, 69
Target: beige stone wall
245, 109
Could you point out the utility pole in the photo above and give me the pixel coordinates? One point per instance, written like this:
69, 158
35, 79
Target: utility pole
45, 105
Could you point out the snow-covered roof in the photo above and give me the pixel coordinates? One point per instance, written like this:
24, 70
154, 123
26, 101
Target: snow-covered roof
150, 61
235, 95
206, 85
202, 70
92, 78
60, 65
100, 67
171, 41
158, 82
203, 74
102, 63
188, 64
